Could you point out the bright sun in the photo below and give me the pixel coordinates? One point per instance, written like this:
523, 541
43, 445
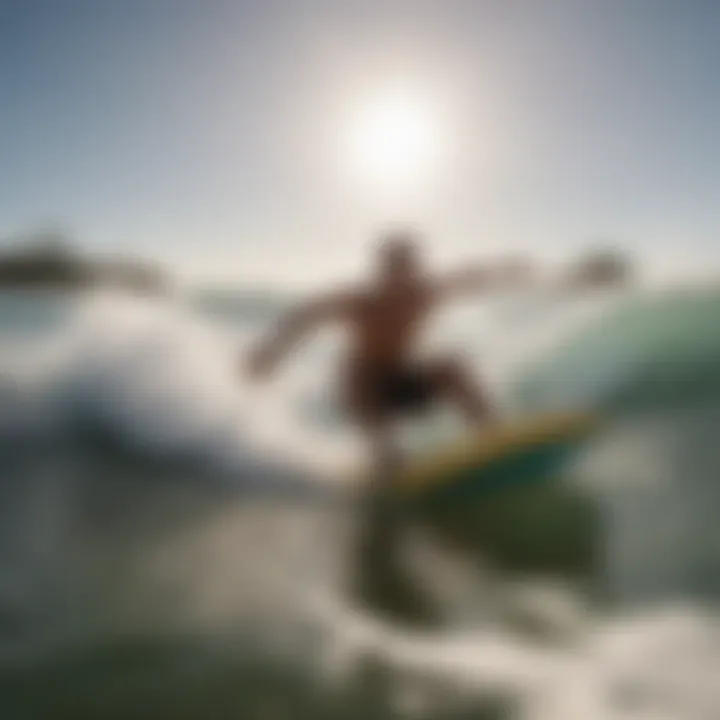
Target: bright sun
394, 140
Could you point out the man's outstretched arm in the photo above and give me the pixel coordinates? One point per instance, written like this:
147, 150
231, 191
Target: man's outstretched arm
486, 278
292, 329
518, 274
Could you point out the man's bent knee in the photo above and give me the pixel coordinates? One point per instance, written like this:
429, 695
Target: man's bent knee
448, 369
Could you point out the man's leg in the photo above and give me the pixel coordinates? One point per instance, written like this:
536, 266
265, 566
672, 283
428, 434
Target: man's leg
381, 578
385, 460
385, 456
451, 380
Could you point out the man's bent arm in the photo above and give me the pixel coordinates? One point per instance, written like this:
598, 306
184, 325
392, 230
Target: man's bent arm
292, 328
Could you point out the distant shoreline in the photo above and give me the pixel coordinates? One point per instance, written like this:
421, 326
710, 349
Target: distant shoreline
53, 265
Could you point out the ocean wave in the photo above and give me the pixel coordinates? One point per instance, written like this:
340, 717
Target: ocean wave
658, 352
152, 378
121, 594
163, 381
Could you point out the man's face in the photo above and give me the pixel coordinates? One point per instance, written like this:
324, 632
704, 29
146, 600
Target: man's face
400, 258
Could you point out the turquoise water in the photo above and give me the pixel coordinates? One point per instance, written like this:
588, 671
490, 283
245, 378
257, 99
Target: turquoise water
659, 352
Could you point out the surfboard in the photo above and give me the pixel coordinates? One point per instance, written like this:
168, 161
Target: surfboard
497, 495
531, 450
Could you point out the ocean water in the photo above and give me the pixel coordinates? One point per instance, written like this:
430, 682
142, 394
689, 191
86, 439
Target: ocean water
177, 543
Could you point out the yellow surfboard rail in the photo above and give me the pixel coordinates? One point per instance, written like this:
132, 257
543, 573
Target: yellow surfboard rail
495, 443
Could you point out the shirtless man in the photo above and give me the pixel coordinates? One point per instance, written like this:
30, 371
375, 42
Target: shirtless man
383, 380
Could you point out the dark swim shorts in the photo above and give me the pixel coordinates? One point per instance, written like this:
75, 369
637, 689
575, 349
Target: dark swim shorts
404, 389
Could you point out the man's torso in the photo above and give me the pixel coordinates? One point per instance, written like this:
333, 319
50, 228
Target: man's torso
385, 325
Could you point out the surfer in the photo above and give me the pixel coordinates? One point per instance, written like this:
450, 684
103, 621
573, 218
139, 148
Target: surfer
382, 378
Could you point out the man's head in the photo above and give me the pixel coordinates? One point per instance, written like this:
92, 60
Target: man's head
399, 256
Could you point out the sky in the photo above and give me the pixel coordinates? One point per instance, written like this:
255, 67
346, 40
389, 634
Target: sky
234, 139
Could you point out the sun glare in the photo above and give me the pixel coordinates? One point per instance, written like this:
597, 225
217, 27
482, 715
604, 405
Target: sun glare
394, 140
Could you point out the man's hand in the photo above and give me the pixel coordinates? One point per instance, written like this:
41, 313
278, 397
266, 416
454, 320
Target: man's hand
259, 363
599, 271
